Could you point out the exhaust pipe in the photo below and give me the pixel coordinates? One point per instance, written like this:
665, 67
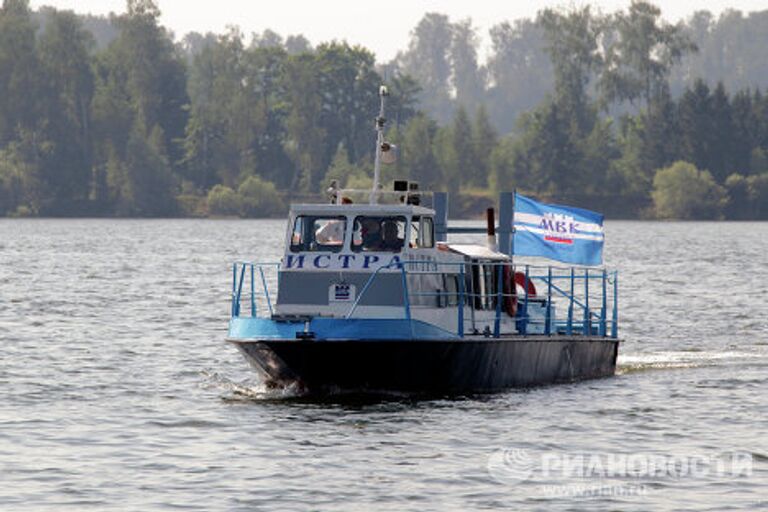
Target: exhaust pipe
490, 216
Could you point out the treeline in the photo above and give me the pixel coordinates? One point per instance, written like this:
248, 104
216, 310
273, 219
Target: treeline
518, 73
138, 125
699, 155
136, 129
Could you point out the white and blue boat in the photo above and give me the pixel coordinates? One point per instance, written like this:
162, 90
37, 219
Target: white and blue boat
373, 298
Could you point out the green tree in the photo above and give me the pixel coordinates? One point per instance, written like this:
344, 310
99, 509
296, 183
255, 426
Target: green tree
660, 136
744, 136
297, 44
222, 200
642, 53
112, 123
142, 184
519, 71
154, 73
402, 104
64, 54
598, 151
19, 84
417, 152
348, 85
468, 77
545, 157
631, 173
760, 109
218, 133
502, 173
747, 197
428, 60
758, 195
732, 49
683, 192
454, 152
140, 104
571, 43
265, 68
305, 137
22, 174
344, 172
647, 142
738, 206
267, 39
259, 198
721, 158
758, 160
484, 140
697, 126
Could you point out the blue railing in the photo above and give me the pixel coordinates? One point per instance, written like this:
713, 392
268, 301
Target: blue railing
588, 295
603, 319
582, 317
244, 281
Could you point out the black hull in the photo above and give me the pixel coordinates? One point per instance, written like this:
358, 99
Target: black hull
430, 367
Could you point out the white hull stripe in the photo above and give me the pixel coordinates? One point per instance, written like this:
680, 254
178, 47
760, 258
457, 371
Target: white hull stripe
532, 218
574, 236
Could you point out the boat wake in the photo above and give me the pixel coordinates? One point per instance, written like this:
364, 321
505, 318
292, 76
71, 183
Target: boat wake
255, 390
250, 389
671, 360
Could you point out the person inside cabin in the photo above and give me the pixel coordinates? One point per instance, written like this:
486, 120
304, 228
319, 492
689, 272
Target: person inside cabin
332, 231
371, 233
389, 240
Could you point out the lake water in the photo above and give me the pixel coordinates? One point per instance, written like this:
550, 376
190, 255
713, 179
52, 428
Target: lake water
117, 391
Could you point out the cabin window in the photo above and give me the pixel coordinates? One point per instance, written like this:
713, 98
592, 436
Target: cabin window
490, 288
451, 290
482, 283
378, 233
318, 233
474, 284
422, 233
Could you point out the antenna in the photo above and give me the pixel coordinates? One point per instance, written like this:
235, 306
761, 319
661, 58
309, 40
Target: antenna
380, 122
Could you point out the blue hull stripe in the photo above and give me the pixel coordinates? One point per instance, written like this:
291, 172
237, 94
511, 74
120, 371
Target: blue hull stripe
247, 328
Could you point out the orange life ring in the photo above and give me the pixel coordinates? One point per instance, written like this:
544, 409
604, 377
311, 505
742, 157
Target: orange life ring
510, 289
520, 281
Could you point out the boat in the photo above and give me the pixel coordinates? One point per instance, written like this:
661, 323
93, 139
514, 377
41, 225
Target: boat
373, 298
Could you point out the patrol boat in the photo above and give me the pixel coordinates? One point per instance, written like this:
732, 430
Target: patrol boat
373, 298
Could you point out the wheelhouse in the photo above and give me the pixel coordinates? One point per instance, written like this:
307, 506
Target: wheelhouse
358, 230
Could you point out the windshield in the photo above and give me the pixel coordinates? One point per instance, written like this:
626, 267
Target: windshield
378, 233
422, 233
318, 233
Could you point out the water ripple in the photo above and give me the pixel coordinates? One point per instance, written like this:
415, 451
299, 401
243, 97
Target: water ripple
118, 393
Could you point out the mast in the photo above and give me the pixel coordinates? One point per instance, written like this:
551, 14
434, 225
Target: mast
380, 122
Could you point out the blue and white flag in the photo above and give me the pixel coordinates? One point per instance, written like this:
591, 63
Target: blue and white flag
561, 233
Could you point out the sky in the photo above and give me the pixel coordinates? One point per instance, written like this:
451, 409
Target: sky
382, 27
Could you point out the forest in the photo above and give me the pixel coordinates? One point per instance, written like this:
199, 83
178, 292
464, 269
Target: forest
622, 113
